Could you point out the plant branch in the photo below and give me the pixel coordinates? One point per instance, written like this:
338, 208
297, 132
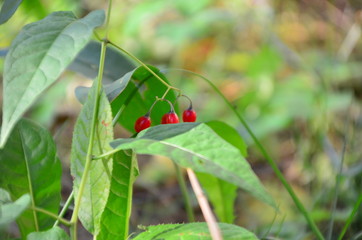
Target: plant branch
88, 159
65, 208
338, 182
108, 17
351, 216
271, 162
50, 214
204, 205
144, 65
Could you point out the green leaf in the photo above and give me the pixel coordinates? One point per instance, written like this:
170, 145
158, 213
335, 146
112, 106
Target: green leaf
197, 146
112, 90
9, 210
229, 134
38, 56
192, 231
8, 9
97, 186
29, 164
55, 233
116, 215
221, 194
87, 62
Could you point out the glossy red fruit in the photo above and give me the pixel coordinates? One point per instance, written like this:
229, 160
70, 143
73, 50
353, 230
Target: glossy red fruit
189, 115
170, 117
142, 123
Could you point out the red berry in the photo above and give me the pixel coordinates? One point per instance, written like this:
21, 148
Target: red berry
170, 117
189, 115
142, 123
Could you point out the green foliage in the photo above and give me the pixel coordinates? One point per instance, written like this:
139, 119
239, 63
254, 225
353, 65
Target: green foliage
55, 233
260, 75
138, 97
221, 194
30, 166
197, 146
193, 231
87, 62
37, 57
8, 9
9, 210
119, 202
97, 185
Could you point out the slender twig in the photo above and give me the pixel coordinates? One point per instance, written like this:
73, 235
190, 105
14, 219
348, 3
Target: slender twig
50, 214
338, 182
185, 194
204, 205
144, 65
351, 216
271, 162
108, 17
65, 208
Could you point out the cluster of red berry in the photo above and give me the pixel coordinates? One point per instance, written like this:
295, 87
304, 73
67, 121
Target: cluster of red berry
143, 122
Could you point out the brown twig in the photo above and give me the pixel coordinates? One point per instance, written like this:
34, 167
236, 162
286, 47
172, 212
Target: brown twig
204, 205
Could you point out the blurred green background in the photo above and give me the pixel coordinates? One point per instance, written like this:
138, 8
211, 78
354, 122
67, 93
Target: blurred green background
293, 69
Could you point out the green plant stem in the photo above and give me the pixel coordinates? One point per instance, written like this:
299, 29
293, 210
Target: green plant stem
88, 159
338, 182
351, 216
106, 154
108, 17
185, 194
144, 65
271, 162
50, 214
65, 207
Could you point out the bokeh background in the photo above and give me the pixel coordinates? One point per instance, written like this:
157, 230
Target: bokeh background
293, 69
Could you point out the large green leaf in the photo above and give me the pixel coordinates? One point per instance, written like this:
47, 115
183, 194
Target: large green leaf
8, 9
37, 57
197, 146
87, 62
9, 210
192, 231
97, 185
222, 194
55, 233
115, 218
29, 164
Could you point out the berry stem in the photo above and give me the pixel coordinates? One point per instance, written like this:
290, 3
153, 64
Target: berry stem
190, 101
171, 105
